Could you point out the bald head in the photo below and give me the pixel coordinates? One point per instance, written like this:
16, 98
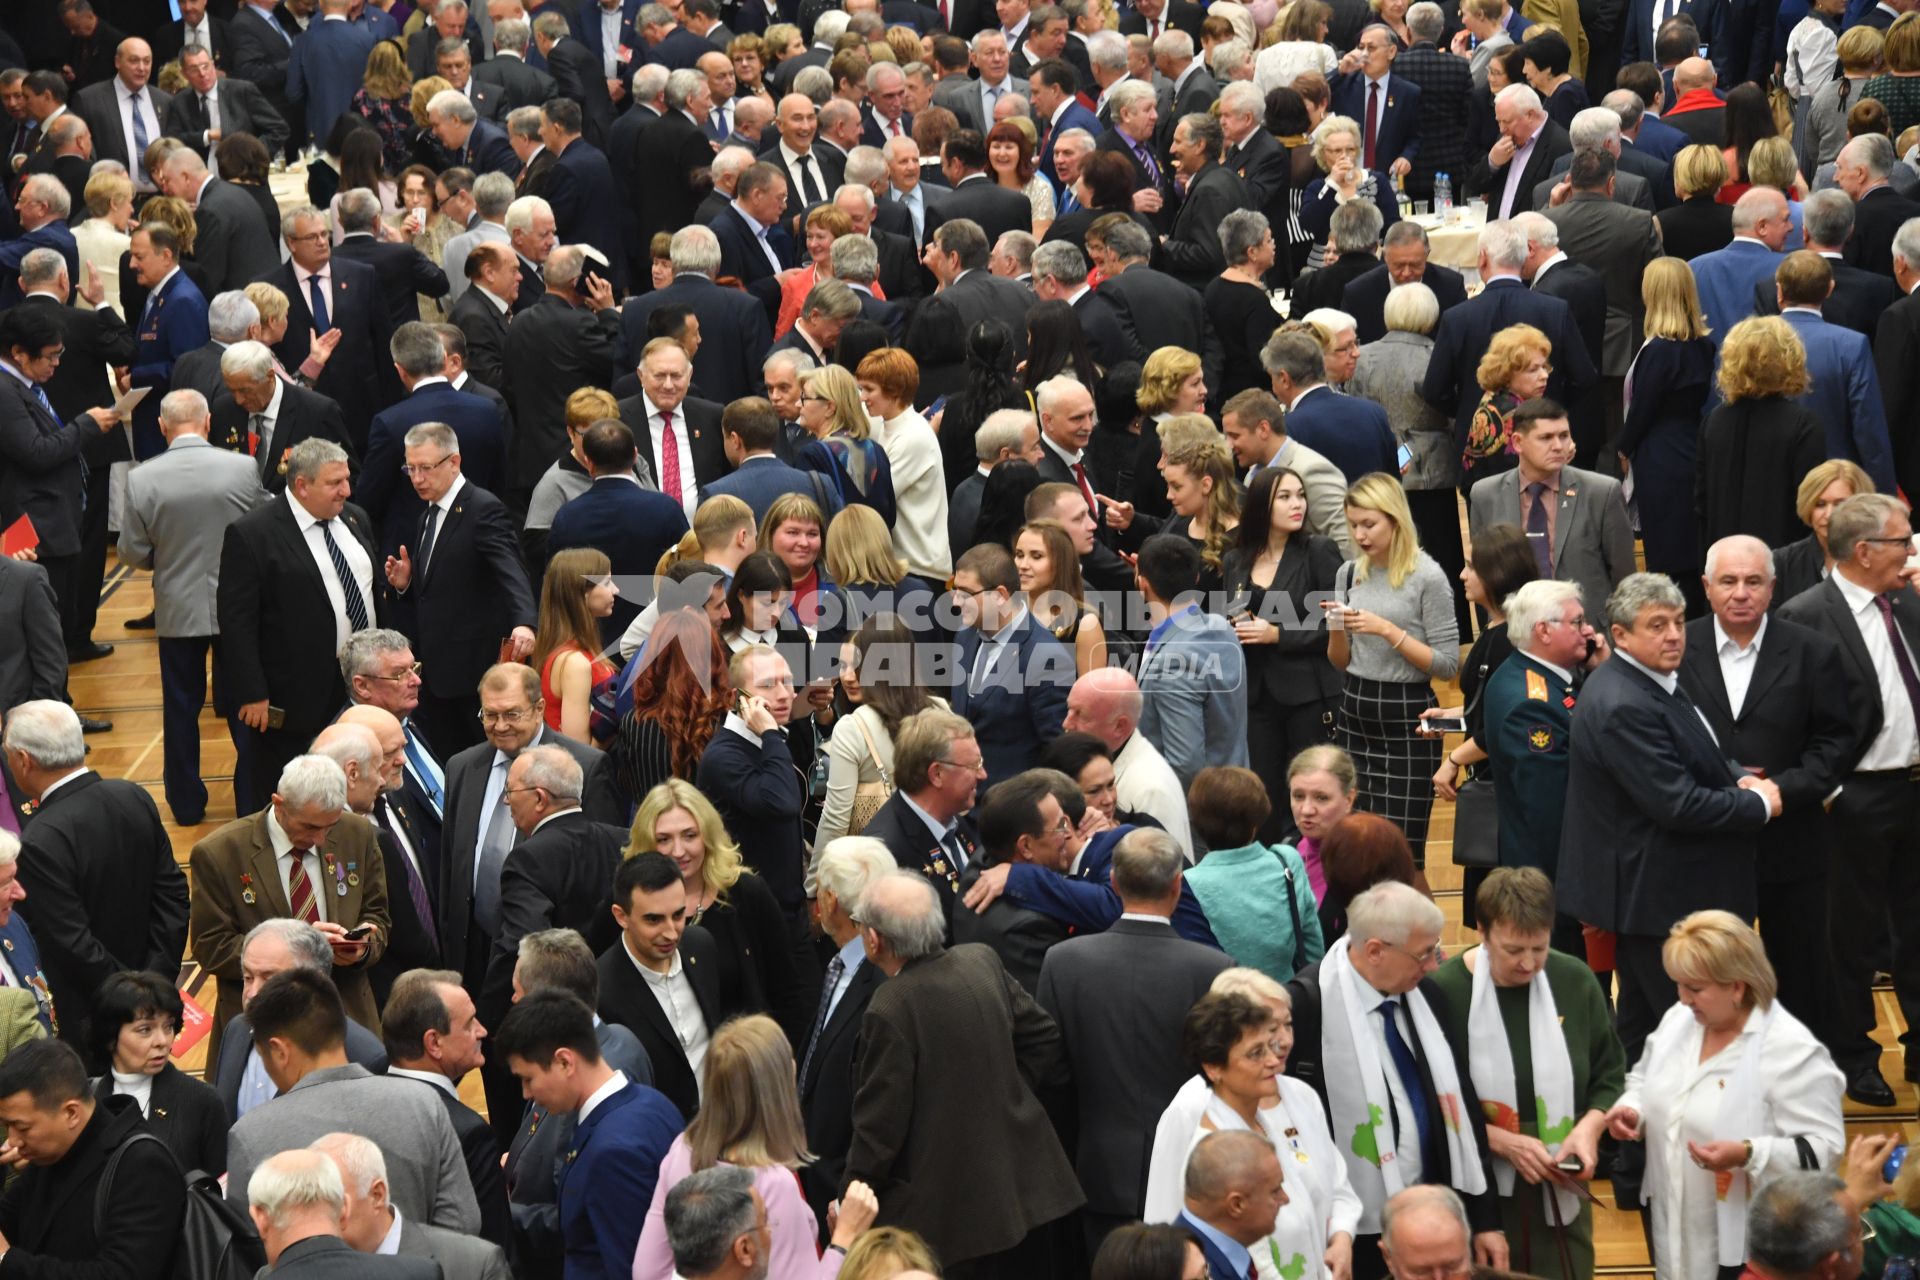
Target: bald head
1106, 703
1235, 1184
389, 733
1762, 215
1424, 1231
1691, 74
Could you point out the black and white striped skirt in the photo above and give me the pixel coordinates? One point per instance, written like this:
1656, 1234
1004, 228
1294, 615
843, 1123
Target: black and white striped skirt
1375, 725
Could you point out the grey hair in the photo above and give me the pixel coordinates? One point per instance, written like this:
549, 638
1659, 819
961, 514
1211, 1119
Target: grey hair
1228, 57
1424, 1196
230, 316
1740, 542
1534, 603
829, 27
1147, 863
564, 266
290, 220
555, 772
557, 959
1425, 20
1873, 152
1795, 1220
1061, 260
492, 195
1205, 130
1538, 228
452, 104
1761, 202
553, 25
47, 730
1107, 49
1174, 43
1641, 591
729, 162
1243, 97
1298, 355
695, 249
307, 946
437, 434
913, 932
1860, 517
41, 266
512, 35
855, 259
650, 81
1626, 104
1406, 231
1081, 137
521, 213
1127, 95
51, 192
524, 122
1001, 429
832, 299
1594, 127
1906, 243
360, 1159
846, 865
1128, 240
295, 1180
305, 459
1504, 244
1411, 308
1355, 227
682, 85
312, 782
1241, 233
815, 83
351, 744
653, 15
417, 349
866, 165
449, 46
1391, 912
9, 848
1519, 96
248, 359
1827, 218
705, 1213
860, 190
183, 407
362, 647
799, 361
874, 73
1017, 245
973, 43
1054, 388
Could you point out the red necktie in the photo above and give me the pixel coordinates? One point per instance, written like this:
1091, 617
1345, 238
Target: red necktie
300, 890
894, 124
1153, 29
1086, 489
669, 457
1373, 103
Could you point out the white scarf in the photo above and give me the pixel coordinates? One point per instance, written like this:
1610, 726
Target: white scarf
1490, 1063
1360, 1099
1740, 1117
1296, 1250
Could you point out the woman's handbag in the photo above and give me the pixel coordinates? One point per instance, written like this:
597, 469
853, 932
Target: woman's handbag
868, 797
1476, 812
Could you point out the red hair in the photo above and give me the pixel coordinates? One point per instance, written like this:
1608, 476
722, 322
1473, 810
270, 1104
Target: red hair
1008, 131
688, 706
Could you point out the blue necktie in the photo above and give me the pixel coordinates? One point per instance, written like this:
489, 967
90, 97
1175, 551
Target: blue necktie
139, 135
424, 770
1408, 1069
40, 394
317, 292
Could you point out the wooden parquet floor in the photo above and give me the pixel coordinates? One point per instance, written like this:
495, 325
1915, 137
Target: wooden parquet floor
125, 688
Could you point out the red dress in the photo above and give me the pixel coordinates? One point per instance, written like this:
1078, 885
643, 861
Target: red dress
602, 668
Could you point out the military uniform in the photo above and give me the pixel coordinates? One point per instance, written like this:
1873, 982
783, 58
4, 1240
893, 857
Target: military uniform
1529, 720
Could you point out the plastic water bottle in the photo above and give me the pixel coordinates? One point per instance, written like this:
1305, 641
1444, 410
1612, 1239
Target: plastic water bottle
1442, 195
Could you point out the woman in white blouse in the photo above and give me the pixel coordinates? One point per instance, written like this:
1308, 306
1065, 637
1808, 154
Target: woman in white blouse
1302, 46
1238, 1037
877, 679
1730, 1091
106, 232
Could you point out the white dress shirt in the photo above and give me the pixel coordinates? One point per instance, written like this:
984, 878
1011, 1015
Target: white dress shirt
1895, 745
359, 563
759, 230
210, 100
390, 1243
674, 994
610, 41
1737, 664
283, 863
792, 159
852, 956
615, 1083
445, 504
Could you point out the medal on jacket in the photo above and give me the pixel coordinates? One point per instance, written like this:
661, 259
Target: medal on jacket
246, 890
353, 875
339, 876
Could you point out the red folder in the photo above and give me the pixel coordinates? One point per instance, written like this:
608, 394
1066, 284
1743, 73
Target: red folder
20, 536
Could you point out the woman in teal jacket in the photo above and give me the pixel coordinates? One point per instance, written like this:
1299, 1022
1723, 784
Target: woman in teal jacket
1256, 896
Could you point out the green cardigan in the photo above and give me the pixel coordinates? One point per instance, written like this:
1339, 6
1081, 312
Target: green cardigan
1245, 893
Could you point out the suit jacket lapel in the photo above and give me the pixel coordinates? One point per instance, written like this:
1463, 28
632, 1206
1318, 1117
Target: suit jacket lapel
1714, 685
440, 534
301, 557
266, 871
1565, 515
1769, 665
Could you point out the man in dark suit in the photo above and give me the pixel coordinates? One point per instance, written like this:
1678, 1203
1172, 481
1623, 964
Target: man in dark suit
1156, 310
106, 893
734, 330
478, 424
632, 526
33, 661
481, 311
305, 1237
753, 247
1353, 243
262, 45
668, 43
1387, 106
650, 906
578, 73
1765, 710
938, 766
238, 248
1864, 609
1467, 330
173, 323
1679, 836
52, 1217
957, 256
259, 415
327, 64
580, 188
282, 618
1156, 16
1861, 171
1860, 297
1054, 86
669, 427
1011, 675
448, 22
673, 144
968, 1025
1844, 395
571, 335
1550, 273
471, 142
520, 85
1527, 138
45, 475
812, 173
212, 106
105, 107
976, 196
433, 1034
324, 294
1351, 432
1130, 1044
404, 273
619, 50
195, 27
43, 206
1896, 355
1060, 274
1228, 1205
1404, 260
1191, 252
1021, 823
1609, 240
750, 428
1695, 107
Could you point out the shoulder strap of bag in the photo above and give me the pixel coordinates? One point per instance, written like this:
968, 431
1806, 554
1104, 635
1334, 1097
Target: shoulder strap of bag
886, 776
1804, 1150
102, 1192
1293, 912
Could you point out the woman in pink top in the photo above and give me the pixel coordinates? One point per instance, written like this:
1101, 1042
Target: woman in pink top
1320, 785
750, 1116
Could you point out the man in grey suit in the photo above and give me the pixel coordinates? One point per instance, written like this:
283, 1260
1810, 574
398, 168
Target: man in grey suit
213, 106
298, 1201
1193, 676
372, 1218
1617, 241
174, 522
957, 256
973, 100
33, 657
1120, 998
233, 245
1641, 176
1576, 521
300, 1027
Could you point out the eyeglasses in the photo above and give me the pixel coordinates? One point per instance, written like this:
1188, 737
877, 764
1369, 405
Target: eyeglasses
977, 767
1436, 954
409, 469
404, 673
312, 237
505, 717
814, 400
1891, 542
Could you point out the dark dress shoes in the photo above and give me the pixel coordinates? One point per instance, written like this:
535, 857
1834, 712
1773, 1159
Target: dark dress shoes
1869, 1088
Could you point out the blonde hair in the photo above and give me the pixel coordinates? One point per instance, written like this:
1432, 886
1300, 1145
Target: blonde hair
174, 214
1762, 357
387, 75
1208, 457
789, 507
589, 405
1859, 49
1700, 168
860, 548
716, 520
1509, 353
1382, 493
1815, 483
1326, 758
1161, 376
103, 189
1900, 47
1328, 127
1252, 983
268, 301
722, 867
423, 91
1770, 163
749, 1109
882, 1253
842, 394
1720, 947
1672, 301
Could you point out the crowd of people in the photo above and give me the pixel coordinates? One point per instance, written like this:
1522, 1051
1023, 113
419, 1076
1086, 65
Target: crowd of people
845, 612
